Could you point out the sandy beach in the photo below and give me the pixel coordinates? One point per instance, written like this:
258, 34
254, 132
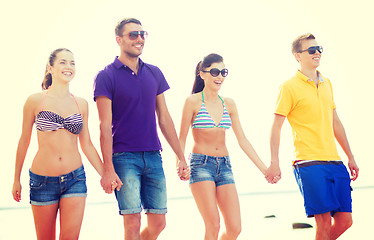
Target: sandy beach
102, 221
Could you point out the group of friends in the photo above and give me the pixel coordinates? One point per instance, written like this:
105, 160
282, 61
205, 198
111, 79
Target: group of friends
129, 96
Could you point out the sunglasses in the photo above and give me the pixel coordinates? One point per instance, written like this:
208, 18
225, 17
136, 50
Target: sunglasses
312, 50
135, 34
215, 72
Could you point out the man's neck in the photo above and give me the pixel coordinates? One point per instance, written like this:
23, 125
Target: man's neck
311, 73
131, 62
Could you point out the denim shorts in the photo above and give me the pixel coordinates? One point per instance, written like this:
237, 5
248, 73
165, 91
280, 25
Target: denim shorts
208, 168
325, 186
46, 190
144, 184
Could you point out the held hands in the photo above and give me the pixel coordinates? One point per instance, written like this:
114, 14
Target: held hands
273, 174
183, 170
110, 181
16, 191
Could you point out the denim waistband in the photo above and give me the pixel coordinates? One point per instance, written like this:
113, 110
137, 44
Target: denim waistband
57, 179
207, 158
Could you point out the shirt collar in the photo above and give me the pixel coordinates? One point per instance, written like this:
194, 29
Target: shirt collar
306, 79
118, 64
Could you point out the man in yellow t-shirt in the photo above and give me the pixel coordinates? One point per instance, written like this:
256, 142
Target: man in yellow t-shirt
306, 100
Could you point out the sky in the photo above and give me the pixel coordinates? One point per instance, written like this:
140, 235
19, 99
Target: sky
254, 37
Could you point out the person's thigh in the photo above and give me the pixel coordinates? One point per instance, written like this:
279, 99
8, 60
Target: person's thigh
228, 202
153, 184
129, 167
45, 221
71, 216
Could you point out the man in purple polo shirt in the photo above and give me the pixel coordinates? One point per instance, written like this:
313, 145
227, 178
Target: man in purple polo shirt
129, 94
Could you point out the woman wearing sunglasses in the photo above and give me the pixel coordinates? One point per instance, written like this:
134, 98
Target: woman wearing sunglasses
211, 181
57, 176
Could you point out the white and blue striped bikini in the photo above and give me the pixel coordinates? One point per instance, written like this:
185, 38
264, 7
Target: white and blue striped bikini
203, 119
49, 121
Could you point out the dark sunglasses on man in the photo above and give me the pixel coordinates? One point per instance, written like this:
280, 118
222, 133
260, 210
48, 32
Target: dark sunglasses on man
312, 50
135, 34
215, 72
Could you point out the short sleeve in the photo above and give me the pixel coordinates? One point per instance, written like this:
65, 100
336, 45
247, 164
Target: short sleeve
103, 86
163, 84
332, 95
284, 102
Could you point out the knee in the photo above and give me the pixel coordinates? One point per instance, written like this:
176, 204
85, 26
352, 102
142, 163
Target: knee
348, 223
234, 231
157, 227
213, 227
132, 223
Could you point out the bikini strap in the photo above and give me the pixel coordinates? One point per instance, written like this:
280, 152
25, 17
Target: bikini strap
202, 95
221, 100
43, 100
77, 104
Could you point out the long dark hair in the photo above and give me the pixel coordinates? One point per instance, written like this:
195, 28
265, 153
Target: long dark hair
47, 81
198, 85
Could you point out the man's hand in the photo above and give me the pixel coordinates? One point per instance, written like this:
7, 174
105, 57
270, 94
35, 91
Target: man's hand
354, 169
273, 173
110, 181
183, 170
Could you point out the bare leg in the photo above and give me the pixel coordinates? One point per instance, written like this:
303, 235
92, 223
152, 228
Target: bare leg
156, 223
228, 202
205, 198
45, 221
71, 217
323, 222
132, 226
342, 221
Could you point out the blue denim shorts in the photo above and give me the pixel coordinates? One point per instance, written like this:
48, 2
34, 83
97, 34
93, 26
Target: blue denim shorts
208, 168
144, 184
325, 186
46, 190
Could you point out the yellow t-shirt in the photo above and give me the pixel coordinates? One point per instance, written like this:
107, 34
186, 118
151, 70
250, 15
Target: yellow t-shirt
309, 111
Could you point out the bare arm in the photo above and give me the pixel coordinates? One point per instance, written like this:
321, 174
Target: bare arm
86, 144
242, 139
104, 107
342, 139
274, 169
23, 145
187, 115
168, 130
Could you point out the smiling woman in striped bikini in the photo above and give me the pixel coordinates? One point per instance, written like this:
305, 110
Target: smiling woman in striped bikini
57, 176
211, 181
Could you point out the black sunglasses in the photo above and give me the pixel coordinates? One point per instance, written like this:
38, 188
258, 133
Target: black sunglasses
215, 72
312, 50
135, 34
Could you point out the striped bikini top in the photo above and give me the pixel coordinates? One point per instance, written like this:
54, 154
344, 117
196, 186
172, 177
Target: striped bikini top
204, 120
47, 121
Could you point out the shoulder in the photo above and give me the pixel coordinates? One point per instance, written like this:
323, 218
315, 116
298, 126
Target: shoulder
35, 98
34, 102
82, 103
229, 103
156, 71
194, 99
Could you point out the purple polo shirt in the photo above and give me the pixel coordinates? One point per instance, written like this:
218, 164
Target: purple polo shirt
133, 104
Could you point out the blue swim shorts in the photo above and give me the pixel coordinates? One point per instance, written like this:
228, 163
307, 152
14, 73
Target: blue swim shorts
45, 190
143, 181
208, 168
325, 186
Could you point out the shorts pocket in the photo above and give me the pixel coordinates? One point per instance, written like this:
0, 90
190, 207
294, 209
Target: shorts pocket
35, 185
81, 177
197, 163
